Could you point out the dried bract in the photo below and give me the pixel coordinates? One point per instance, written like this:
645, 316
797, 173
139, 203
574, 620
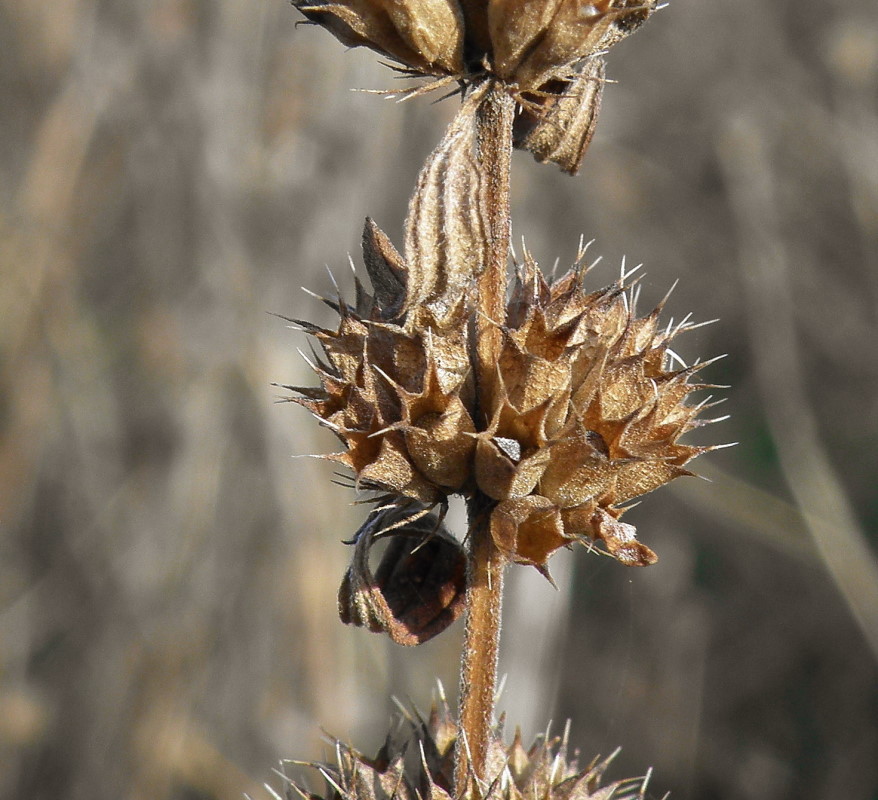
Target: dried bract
557, 125
424, 35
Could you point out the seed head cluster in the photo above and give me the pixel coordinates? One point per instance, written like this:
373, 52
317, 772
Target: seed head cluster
417, 761
582, 412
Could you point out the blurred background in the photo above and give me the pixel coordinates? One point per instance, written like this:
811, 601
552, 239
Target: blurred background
172, 171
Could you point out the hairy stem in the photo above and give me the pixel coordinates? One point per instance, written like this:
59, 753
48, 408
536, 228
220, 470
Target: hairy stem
494, 154
478, 675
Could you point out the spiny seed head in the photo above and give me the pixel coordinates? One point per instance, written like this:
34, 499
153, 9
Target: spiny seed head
577, 410
582, 413
417, 761
549, 53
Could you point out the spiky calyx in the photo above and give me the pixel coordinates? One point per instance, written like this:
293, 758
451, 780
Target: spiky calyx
416, 761
581, 413
548, 53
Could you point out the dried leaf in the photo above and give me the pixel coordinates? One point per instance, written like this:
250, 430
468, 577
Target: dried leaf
528, 530
515, 26
578, 31
578, 471
441, 445
502, 472
575, 33
560, 127
432, 28
426, 35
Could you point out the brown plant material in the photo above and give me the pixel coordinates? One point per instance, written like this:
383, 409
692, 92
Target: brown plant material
549, 54
425, 35
418, 589
581, 412
548, 408
544, 771
557, 125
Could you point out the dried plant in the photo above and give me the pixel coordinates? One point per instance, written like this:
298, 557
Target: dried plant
546, 406
547, 54
541, 771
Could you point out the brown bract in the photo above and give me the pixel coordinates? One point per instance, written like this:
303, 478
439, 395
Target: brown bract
544, 771
549, 53
418, 589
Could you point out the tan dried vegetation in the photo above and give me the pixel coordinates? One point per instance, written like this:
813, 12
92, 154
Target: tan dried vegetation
548, 407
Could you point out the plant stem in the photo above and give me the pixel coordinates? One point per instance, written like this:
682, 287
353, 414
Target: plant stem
478, 674
494, 153
478, 677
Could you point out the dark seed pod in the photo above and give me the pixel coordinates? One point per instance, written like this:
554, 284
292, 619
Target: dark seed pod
418, 589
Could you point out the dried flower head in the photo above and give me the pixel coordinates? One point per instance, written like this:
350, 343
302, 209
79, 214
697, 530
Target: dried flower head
549, 53
580, 411
416, 761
